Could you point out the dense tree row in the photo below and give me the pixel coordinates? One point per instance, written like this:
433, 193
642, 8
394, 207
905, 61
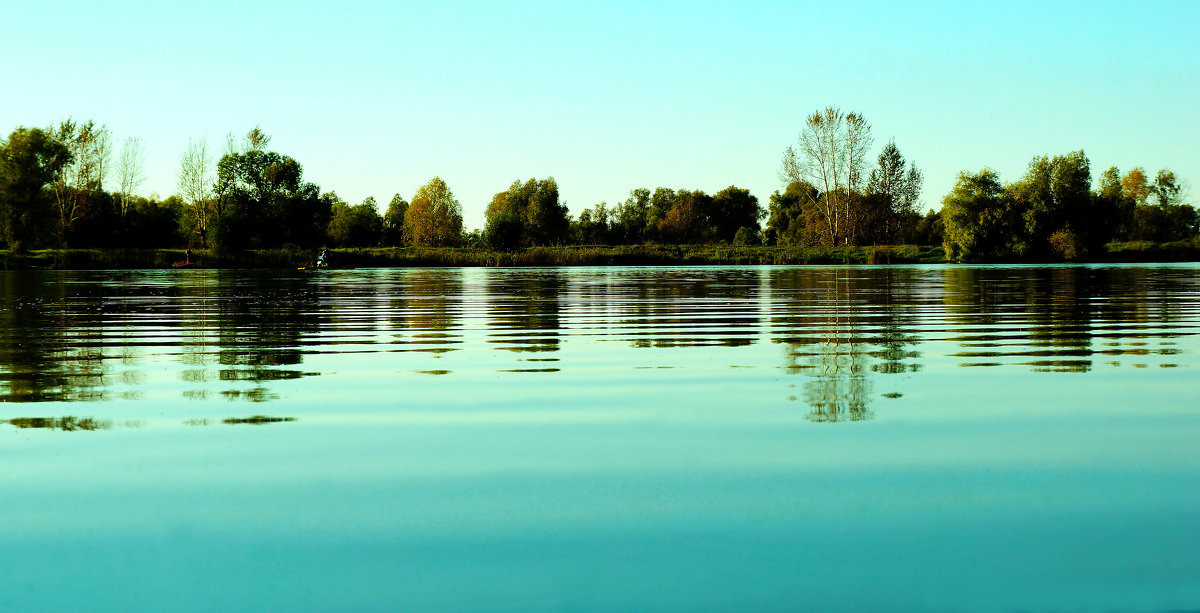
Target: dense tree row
54, 192
51, 192
1053, 213
672, 216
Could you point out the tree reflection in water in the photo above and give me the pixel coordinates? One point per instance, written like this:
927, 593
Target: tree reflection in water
261, 322
1060, 319
840, 326
68, 336
257, 420
421, 311
52, 347
66, 424
524, 312
669, 308
70, 423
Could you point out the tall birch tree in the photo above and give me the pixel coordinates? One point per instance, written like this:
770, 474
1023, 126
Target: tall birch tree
195, 184
130, 170
90, 147
831, 154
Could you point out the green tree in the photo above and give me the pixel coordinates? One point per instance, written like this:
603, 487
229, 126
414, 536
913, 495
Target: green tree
31, 159
505, 225
434, 218
393, 222
893, 189
1055, 199
594, 226
1166, 189
790, 213
930, 230
355, 226
151, 224
747, 236
734, 208
263, 202
979, 217
1168, 218
661, 202
527, 214
1112, 204
547, 219
629, 219
1182, 218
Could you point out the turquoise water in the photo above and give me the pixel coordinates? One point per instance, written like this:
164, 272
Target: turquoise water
597, 439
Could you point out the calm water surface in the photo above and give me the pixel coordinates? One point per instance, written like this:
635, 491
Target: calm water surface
598, 439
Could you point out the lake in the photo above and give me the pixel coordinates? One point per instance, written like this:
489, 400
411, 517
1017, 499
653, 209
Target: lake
924, 438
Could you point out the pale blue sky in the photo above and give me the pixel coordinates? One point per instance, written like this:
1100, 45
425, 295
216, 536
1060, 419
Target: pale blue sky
375, 98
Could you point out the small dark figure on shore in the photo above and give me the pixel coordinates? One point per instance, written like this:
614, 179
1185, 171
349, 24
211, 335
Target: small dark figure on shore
187, 256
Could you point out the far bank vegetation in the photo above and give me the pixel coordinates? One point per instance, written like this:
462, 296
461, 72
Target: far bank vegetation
69, 188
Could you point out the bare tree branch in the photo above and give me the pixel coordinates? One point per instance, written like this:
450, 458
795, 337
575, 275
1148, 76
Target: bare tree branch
130, 173
195, 185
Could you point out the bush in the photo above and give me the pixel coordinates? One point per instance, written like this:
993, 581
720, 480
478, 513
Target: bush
747, 237
1065, 244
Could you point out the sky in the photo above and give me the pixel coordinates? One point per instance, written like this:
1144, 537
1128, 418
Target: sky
377, 98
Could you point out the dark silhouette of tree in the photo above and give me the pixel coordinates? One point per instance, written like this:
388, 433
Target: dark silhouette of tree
393, 222
733, 209
263, 202
31, 159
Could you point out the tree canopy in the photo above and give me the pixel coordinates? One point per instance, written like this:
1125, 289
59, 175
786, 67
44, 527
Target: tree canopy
527, 214
979, 217
262, 201
434, 217
31, 160
355, 226
1052, 213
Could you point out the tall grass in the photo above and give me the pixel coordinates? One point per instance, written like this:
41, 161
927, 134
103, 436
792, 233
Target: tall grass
637, 255
576, 255
1144, 251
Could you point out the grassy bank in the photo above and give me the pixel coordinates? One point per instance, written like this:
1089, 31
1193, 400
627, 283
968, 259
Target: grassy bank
636, 255
626, 255
1142, 251
581, 255
99, 259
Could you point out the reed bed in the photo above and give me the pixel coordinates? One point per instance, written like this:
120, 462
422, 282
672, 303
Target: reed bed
574, 255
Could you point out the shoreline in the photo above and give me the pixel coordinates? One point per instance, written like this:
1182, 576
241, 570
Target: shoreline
577, 255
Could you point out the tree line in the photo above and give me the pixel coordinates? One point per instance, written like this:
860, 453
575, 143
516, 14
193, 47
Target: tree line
67, 186
54, 194
1052, 212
